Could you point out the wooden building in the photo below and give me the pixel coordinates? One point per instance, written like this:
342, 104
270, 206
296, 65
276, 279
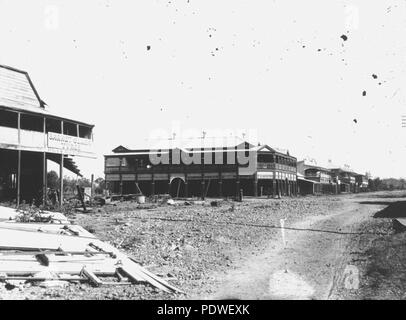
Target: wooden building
362, 182
345, 179
321, 177
30, 135
213, 167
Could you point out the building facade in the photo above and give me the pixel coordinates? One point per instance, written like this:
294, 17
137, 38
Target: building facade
316, 179
345, 179
30, 135
201, 167
362, 182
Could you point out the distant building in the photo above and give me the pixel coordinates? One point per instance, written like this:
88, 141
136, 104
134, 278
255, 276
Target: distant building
200, 167
345, 178
362, 182
30, 135
315, 179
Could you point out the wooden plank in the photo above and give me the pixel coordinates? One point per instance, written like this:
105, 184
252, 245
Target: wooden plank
78, 253
160, 280
81, 259
55, 261
58, 229
50, 245
136, 272
19, 239
33, 279
33, 267
92, 277
132, 274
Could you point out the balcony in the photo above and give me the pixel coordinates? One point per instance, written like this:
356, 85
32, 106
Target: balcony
45, 142
265, 165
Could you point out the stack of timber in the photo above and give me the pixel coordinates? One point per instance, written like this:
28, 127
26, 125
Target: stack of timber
65, 252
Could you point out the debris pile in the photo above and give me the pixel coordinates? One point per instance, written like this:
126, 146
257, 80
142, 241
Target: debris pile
45, 248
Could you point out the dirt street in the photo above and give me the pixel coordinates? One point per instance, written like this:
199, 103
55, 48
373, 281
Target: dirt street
331, 247
312, 260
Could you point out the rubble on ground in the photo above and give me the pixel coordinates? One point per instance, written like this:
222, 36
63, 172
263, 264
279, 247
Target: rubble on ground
40, 248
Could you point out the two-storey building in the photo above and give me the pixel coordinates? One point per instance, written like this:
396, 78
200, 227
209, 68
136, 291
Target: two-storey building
30, 135
345, 178
312, 172
200, 167
362, 182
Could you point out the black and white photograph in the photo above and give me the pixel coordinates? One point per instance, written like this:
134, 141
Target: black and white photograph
201, 150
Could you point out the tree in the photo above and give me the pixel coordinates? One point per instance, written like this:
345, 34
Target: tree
53, 180
100, 185
69, 184
402, 184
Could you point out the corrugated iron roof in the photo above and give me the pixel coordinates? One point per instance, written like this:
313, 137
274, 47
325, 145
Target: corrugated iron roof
18, 92
192, 145
189, 143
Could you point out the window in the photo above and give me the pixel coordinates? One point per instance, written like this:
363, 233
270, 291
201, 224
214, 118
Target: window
53, 125
70, 129
85, 132
112, 162
268, 158
32, 123
8, 119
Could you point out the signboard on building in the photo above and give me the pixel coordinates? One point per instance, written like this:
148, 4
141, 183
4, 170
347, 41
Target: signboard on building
68, 144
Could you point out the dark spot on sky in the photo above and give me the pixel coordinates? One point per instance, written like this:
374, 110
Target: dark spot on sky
364, 93
303, 47
374, 76
380, 83
355, 121
217, 49
148, 48
344, 37
318, 50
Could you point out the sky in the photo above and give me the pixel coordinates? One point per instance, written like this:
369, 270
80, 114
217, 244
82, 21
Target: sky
281, 69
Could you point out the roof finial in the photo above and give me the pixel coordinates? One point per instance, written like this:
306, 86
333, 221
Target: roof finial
204, 134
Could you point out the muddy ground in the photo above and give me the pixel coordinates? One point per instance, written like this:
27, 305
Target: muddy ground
236, 250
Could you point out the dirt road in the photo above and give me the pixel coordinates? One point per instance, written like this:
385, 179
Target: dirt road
307, 260
237, 250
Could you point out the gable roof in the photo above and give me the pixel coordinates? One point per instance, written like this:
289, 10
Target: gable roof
265, 148
188, 144
17, 90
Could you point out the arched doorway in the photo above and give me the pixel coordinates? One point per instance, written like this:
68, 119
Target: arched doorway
177, 188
